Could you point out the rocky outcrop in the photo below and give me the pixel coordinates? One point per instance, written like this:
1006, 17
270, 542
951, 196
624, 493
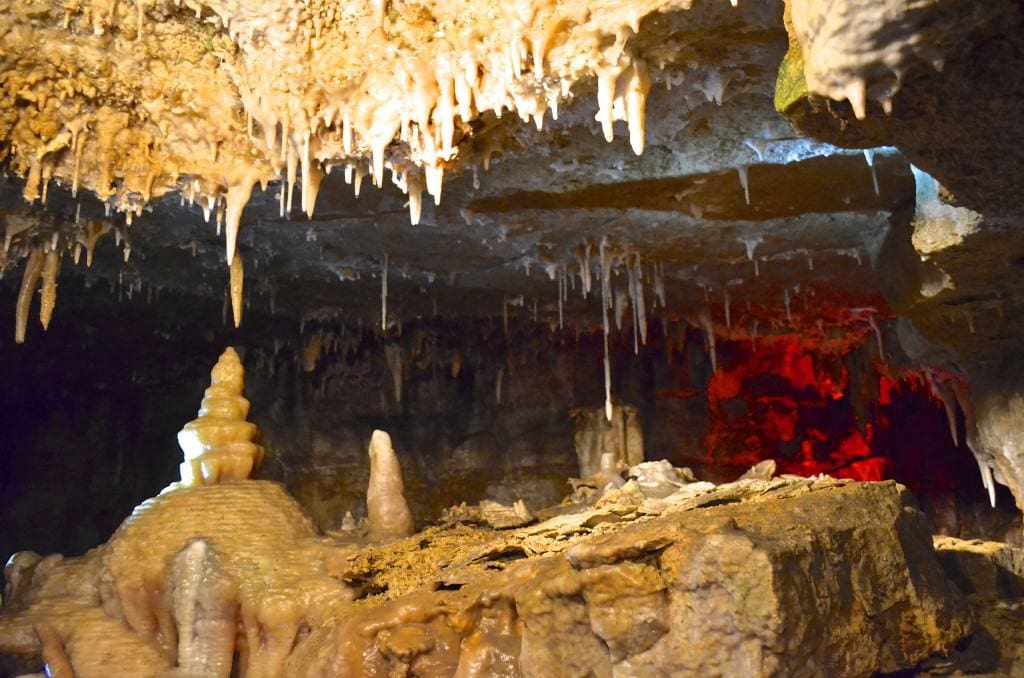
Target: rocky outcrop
992, 576
794, 577
942, 82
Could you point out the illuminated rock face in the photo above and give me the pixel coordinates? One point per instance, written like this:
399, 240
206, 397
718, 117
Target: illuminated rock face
221, 446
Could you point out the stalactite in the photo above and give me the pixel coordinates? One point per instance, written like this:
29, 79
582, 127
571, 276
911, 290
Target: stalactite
237, 277
561, 296
29, 280
48, 297
384, 293
94, 230
619, 307
605, 294
726, 305
751, 247
869, 157
641, 302
709, 337
659, 283
878, 336
744, 182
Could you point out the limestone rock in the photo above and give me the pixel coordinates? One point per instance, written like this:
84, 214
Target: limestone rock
983, 568
800, 577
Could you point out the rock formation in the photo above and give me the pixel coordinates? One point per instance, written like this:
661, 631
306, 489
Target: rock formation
388, 514
620, 437
786, 232
801, 577
221, 446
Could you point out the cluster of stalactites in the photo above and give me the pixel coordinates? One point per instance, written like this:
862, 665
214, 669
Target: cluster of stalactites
43, 261
421, 104
220, 445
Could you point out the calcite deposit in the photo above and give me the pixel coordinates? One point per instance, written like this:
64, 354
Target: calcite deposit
801, 577
221, 445
387, 512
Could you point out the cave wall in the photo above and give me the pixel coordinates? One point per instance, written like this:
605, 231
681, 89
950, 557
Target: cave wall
92, 408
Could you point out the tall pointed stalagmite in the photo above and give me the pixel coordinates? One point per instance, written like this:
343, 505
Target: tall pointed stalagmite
220, 445
389, 515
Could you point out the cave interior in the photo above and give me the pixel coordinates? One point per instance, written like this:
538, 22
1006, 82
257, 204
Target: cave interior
547, 337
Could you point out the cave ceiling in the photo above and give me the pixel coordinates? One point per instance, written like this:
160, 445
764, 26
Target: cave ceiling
182, 124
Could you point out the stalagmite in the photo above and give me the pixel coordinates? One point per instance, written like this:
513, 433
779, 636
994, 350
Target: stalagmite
237, 277
605, 293
48, 298
220, 445
388, 514
29, 280
785, 300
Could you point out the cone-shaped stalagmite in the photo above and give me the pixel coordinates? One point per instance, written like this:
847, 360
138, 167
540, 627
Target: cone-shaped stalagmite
221, 445
389, 515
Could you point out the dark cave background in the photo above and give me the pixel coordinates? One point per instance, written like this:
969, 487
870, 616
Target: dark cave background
91, 409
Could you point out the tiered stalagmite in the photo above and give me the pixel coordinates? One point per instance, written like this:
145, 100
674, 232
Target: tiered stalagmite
220, 445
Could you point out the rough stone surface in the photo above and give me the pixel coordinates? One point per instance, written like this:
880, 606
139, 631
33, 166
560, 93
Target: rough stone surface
798, 577
992, 576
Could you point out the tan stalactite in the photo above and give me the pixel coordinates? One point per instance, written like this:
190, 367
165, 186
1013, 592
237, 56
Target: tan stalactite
237, 278
29, 280
48, 298
94, 230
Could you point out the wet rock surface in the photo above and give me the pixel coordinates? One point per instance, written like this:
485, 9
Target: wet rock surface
793, 576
